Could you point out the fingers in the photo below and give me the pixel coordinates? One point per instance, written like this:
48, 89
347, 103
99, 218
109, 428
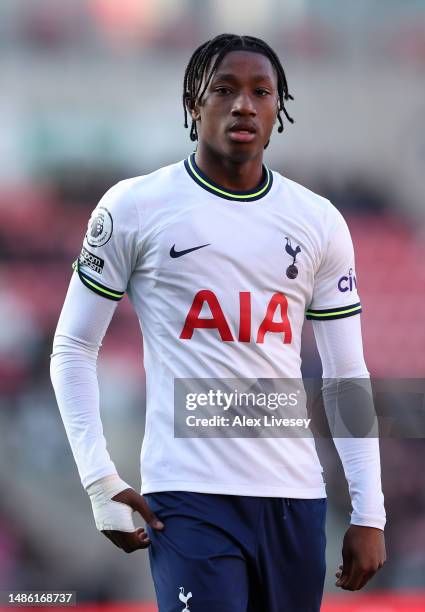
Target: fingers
150, 517
354, 577
363, 554
345, 572
358, 579
139, 504
128, 542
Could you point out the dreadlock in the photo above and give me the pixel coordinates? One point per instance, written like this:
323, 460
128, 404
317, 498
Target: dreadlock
200, 67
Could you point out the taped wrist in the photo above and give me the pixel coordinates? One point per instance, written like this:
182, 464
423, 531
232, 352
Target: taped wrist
109, 514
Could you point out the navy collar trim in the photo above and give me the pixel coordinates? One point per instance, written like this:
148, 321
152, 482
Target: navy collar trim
237, 196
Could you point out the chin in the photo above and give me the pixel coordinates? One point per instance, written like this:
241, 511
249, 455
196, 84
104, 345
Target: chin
241, 153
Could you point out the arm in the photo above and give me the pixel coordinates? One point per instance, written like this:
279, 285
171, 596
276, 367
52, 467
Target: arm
103, 270
364, 546
82, 325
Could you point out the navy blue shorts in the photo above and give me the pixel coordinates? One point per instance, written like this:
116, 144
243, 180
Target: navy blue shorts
228, 553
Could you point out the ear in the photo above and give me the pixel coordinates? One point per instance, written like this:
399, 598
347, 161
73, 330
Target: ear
194, 111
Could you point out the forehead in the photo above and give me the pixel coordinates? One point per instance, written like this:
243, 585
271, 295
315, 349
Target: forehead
243, 64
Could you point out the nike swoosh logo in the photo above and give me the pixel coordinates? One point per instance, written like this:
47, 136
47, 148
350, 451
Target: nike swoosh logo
174, 253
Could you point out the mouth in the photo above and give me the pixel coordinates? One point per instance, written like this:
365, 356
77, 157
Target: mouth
242, 132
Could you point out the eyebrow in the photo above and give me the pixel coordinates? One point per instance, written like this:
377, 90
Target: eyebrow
232, 77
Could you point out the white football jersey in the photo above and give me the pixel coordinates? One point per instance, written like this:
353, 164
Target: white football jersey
221, 282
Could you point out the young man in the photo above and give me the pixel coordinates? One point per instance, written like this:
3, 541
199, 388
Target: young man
222, 259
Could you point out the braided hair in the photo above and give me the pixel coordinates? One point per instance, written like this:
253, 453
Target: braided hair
200, 68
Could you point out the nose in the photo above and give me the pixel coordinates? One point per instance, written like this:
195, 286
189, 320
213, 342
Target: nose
243, 106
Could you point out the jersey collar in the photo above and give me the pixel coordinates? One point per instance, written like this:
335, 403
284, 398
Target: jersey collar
239, 196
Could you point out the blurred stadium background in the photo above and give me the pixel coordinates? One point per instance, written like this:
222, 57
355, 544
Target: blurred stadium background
90, 94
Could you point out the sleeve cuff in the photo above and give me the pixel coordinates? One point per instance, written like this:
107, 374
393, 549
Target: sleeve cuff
368, 521
106, 292
339, 312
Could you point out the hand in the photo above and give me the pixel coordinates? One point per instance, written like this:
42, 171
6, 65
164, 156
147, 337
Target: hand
137, 539
363, 554
114, 503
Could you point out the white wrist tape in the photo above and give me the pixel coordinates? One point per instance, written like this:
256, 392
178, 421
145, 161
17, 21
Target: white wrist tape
109, 514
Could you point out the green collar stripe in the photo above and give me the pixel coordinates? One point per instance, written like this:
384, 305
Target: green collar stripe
197, 175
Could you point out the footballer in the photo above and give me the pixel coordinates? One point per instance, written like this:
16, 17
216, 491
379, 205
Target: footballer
222, 259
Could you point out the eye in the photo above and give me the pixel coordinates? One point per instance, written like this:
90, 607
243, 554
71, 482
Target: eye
222, 90
262, 92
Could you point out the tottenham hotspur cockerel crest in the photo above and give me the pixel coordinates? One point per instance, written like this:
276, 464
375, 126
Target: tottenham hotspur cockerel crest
184, 598
292, 270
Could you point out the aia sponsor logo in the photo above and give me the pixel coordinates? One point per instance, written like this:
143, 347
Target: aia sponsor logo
275, 319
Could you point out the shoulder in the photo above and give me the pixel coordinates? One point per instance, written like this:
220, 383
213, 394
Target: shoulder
306, 198
155, 184
130, 191
312, 207
126, 201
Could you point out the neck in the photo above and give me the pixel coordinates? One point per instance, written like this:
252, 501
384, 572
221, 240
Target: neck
228, 173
